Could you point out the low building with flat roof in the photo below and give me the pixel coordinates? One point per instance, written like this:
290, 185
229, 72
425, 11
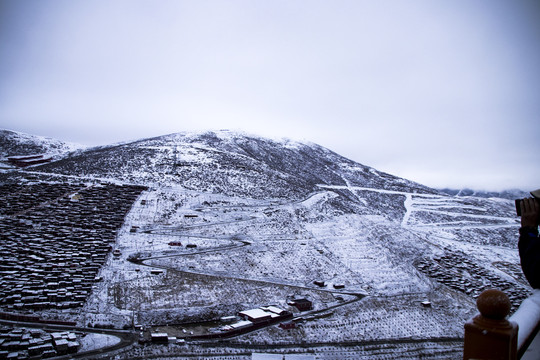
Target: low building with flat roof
255, 315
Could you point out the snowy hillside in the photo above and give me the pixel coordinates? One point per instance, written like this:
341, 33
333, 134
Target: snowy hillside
17, 144
229, 163
227, 222
13, 143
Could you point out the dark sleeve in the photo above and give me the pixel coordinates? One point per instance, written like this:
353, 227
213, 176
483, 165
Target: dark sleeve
529, 252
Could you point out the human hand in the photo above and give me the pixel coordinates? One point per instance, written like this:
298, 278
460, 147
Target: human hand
530, 212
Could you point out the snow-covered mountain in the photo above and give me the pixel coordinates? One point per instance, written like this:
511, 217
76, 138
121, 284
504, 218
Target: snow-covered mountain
270, 220
234, 164
240, 165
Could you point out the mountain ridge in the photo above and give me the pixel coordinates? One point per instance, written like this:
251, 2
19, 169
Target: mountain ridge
13, 143
182, 158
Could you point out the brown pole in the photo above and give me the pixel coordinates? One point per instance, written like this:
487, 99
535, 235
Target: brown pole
489, 335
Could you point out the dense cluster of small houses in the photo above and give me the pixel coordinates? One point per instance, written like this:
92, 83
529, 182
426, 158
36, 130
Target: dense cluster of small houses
23, 343
456, 271
54, 237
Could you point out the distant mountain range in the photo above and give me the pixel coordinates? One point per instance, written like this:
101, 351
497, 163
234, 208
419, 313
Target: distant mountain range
506, 194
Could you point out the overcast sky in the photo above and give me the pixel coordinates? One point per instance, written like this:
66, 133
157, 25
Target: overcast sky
446, 93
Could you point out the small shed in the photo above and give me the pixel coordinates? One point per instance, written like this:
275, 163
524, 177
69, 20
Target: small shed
302, 304
241, 325
61, 346
161, 338
227, 319
287, 325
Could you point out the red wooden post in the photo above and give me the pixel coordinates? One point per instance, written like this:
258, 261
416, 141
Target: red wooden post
489, 335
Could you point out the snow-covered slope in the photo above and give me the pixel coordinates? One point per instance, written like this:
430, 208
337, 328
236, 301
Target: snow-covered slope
240, 165
13, 143
271, 220
233, 164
